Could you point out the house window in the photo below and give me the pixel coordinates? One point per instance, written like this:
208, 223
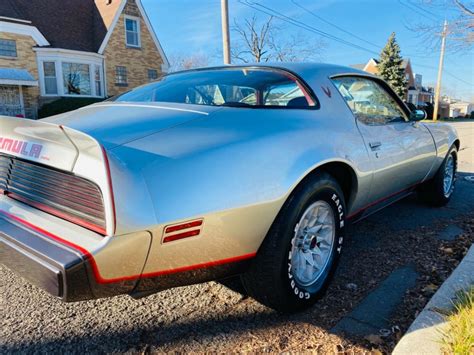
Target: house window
7, 48
121, 76
132, 32
76, 79
152, 74
98, 82
50, 82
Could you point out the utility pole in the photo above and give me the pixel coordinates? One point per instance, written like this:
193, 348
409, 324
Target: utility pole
225, 30
440, 71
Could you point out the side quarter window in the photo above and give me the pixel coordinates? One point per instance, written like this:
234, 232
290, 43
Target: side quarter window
369, 101
287, 94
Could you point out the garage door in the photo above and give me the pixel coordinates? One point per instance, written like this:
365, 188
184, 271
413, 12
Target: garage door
10, 101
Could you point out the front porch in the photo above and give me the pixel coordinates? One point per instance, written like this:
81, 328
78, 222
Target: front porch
18, 93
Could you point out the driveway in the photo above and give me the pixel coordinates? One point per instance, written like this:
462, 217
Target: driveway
392, 263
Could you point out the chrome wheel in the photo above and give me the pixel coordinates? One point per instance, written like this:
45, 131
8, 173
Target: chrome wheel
449, 173
312, 244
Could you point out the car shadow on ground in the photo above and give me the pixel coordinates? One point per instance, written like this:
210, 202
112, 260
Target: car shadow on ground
403, 235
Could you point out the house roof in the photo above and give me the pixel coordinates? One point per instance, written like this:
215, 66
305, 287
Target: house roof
360, 66
73, 24
9, 10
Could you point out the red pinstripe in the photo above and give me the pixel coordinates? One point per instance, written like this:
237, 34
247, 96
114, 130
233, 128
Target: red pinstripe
88, 256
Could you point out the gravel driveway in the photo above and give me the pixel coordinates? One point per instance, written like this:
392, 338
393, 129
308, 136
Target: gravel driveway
211, 317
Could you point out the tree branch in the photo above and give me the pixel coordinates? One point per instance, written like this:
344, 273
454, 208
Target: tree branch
464, 8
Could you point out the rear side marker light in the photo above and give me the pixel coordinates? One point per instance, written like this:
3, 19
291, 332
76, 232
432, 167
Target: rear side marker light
183, 230
183, 226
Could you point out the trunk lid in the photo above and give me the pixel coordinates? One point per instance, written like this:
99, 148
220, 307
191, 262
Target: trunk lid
117, 123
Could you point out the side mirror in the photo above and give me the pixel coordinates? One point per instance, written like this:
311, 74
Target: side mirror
418, 115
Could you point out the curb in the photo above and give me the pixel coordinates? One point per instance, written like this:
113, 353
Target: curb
424, 335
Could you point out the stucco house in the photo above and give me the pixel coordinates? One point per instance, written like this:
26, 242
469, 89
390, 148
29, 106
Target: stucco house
458, 108
74, 48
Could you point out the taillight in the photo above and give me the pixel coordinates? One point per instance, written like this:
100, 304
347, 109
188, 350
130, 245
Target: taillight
56, 192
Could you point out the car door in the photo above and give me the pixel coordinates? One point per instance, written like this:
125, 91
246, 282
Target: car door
402, 152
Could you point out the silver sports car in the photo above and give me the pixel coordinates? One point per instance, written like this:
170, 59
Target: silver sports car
248, 171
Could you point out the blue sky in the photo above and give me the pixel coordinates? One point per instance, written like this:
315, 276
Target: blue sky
186, 27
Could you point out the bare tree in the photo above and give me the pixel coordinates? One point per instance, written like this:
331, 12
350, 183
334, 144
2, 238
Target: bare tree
297, 48
183, 62
460, 16
267, 42
253, 44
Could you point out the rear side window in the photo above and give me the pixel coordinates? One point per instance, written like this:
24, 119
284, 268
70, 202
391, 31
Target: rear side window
369, 101
287, 94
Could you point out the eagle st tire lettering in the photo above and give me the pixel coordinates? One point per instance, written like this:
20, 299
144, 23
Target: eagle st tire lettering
300, 291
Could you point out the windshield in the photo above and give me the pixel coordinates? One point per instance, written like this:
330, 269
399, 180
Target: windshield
237, 87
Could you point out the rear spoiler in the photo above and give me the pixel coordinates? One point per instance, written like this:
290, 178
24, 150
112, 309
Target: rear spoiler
37, 141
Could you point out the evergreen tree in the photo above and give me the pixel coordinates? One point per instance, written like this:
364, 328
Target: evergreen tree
390, 66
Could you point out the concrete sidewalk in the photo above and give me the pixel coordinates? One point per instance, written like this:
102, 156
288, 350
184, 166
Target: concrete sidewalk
466, 152
424, 335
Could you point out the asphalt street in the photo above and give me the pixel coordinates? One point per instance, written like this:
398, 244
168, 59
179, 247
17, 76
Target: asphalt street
210, 317
466, 155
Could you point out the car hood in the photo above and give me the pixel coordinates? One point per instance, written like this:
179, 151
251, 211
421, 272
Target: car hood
117, 123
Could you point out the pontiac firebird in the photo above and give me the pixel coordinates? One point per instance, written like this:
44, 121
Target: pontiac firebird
239, 171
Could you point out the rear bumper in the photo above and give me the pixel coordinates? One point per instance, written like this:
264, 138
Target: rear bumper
60, 271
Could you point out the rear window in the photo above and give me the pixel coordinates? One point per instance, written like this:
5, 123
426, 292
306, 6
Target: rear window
236, 87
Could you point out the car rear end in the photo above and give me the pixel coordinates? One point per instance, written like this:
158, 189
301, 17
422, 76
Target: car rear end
57, 213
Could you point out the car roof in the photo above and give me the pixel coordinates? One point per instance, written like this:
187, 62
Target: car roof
301, 67
305, 70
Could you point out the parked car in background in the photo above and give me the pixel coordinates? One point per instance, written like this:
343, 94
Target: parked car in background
206, 174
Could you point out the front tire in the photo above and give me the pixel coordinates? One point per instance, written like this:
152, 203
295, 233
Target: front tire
300, 252
438, 191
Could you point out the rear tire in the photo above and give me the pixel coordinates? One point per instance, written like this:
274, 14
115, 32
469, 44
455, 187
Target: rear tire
438, 191
300, 252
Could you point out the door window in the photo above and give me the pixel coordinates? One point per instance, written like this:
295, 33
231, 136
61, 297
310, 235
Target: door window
369, 101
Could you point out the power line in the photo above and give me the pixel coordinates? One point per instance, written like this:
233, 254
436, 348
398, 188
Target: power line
459, 79
303, 25
446, 72
416, 10
334, 25
313, 29
270, 12
437, 17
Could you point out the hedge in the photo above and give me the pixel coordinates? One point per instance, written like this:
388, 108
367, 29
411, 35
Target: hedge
65, 104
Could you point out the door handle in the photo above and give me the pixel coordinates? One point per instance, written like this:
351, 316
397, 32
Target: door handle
375, 145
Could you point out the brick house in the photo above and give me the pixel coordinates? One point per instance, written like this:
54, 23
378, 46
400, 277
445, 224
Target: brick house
419, 95
74, 48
